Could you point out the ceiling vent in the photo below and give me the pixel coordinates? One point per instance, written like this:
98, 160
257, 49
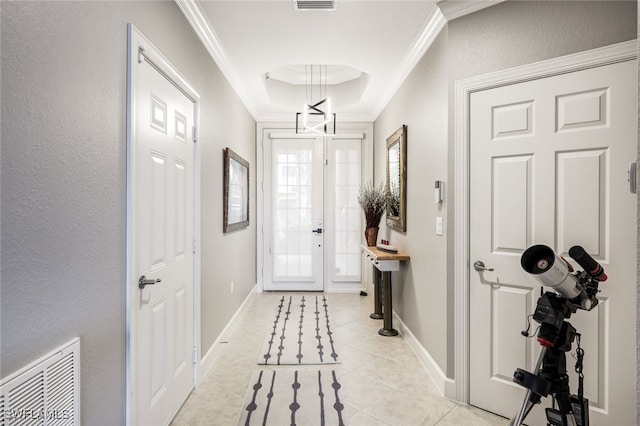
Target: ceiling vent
315, 4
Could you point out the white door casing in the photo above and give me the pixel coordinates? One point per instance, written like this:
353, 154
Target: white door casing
161, 231
548, 161
463, 89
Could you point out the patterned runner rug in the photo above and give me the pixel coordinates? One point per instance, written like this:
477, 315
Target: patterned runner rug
291, 397
301, 333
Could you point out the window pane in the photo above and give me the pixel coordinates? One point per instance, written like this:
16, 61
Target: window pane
292, 189
347, 213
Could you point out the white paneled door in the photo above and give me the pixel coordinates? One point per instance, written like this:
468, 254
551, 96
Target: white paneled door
162, 170
312, 218
549, 162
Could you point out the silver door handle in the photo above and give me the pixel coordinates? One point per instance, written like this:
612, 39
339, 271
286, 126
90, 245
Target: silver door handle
143, 282
478, 265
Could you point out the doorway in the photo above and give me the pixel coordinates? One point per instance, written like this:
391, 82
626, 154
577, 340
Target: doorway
312, 222
161, 263
548, 153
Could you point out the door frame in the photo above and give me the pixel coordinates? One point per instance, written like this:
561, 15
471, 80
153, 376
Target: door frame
140, 48
607, 55
263, 131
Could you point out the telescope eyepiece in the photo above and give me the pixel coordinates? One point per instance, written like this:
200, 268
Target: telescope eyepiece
588, 263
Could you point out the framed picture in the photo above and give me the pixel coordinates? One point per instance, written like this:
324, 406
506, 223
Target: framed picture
235, 192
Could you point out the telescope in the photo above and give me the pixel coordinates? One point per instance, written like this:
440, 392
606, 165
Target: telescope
571, 291
555, 272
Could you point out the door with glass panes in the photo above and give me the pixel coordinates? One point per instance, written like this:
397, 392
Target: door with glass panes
313, 223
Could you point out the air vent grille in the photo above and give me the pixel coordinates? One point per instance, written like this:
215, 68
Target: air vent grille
315, 4
45, 392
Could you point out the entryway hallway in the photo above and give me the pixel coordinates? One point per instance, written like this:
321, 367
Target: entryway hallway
383, 383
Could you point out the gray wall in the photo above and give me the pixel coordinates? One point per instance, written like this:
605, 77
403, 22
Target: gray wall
420, 290
63, 185
503, 36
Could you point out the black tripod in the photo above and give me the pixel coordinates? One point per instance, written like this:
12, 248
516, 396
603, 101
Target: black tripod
555, 336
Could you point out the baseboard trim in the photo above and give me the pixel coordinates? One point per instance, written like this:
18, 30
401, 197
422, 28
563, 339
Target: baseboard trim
207, 361
355, 290
445, 385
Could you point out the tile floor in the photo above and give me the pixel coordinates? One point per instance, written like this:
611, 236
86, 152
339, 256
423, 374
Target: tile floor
383, 383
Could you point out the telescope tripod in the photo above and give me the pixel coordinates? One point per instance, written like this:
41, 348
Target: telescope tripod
551, 378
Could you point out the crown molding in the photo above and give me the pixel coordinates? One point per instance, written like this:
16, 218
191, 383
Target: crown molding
211, 42
453, 9
432, 27
443, 12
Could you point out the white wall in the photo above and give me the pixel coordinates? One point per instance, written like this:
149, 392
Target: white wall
63, 177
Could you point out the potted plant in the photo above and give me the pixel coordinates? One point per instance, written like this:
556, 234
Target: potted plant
373, 200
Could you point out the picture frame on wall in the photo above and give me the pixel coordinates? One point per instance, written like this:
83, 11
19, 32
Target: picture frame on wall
235, 192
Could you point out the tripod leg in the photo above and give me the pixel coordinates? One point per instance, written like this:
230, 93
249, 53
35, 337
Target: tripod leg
530, 399
522, 412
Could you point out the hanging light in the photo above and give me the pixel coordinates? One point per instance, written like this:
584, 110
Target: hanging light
316, 117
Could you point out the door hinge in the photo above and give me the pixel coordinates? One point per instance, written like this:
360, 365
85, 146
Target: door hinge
195, 134
193, 246
326, 162
194, 355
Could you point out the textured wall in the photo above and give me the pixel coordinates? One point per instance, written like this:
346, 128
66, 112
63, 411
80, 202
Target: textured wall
63, 177
420, 289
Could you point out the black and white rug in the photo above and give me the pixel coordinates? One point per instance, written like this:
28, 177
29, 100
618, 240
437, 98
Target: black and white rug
292, 397
301, 333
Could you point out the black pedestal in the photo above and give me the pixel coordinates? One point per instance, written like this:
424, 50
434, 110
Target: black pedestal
387, 327
377, 295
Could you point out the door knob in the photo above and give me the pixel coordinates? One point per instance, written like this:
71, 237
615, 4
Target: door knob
143, 281
478, 265
317, 231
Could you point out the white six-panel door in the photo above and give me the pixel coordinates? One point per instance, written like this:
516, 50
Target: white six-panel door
548, 166
162, 173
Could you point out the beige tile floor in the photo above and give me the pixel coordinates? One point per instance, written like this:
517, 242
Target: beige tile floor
383, 383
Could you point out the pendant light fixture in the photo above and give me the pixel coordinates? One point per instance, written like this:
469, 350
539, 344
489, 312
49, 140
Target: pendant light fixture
316, 116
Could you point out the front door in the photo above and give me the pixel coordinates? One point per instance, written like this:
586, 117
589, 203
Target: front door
161, 185
312, 226
549, 164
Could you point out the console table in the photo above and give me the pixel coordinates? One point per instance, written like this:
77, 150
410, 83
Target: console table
384, 263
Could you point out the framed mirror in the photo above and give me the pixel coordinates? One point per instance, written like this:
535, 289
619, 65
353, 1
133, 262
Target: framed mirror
235, 192
396, 179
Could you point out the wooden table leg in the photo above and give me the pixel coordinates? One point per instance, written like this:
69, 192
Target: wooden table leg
387, 328
377, 295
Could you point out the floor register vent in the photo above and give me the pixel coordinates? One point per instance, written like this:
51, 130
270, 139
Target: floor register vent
45, 392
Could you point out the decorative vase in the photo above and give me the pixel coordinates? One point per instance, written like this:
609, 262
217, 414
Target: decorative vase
371, 235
